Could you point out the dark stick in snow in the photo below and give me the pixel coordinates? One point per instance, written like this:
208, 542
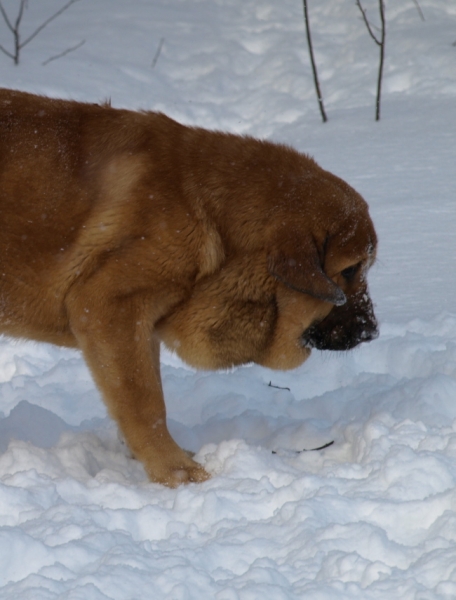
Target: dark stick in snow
380, 42
15, 28
314, 66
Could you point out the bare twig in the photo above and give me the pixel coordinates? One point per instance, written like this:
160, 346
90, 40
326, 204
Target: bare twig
5, 16
51, 18
418, 8
310, 449
368, 25
157, 54
314, 66
278, 387
15, 29
381, 43
64, 53
6, 52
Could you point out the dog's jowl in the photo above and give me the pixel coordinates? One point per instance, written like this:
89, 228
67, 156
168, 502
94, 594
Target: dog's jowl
121, 230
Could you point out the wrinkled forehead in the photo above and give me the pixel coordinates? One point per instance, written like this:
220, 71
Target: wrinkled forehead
354, 241
349, 227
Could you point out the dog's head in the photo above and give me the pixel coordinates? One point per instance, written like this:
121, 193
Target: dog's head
293, 276
326, 258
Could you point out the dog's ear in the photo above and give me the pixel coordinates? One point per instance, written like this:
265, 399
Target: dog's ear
296, 263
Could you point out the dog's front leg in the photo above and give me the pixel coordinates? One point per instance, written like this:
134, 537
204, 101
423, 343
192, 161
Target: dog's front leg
122, 351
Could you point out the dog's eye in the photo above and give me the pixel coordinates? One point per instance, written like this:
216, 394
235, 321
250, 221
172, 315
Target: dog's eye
350, 272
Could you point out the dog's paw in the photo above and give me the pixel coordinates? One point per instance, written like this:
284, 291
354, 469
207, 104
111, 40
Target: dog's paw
177, 472
194, 474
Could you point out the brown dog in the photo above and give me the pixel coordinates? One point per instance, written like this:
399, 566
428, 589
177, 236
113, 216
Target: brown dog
122, 229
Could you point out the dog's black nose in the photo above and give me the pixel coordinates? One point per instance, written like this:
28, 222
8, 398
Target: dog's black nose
344, 328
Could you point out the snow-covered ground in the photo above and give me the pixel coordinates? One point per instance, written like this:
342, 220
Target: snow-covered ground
374, 515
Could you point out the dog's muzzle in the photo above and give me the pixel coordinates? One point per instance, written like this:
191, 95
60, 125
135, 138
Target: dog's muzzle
345, 327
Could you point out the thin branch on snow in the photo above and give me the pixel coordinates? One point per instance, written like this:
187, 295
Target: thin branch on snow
157, 53
6, 52
64, 53
15, 29
418, 8
381, 43
314, 66
278, 387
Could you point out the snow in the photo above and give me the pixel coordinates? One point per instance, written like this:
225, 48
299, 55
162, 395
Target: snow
374, 515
